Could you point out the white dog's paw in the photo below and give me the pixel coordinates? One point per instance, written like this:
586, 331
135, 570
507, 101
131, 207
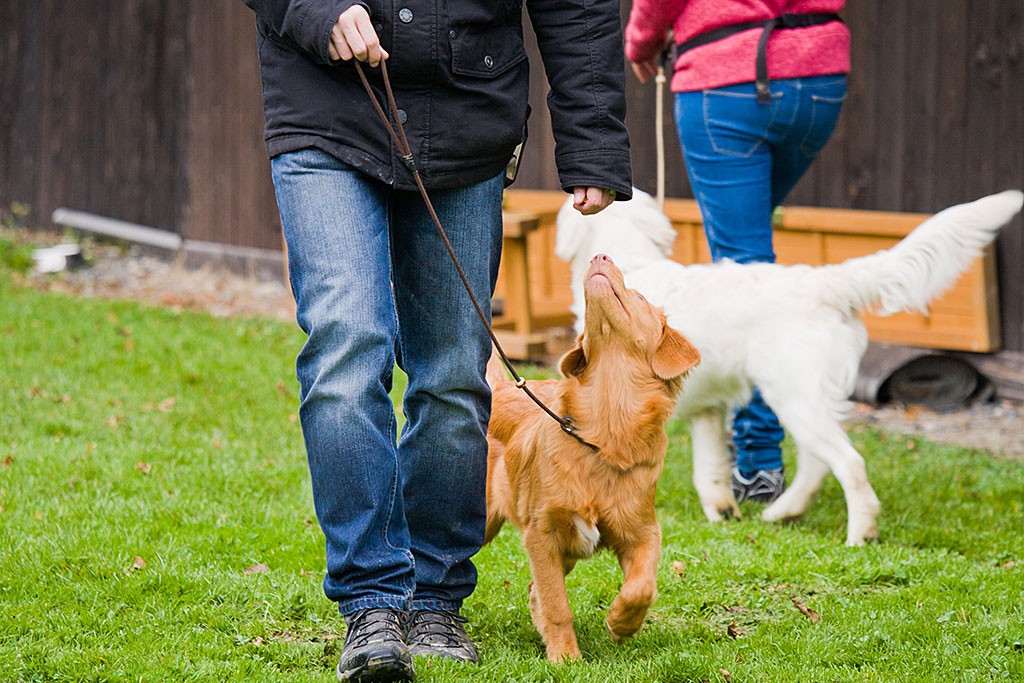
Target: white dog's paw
861, 530
786, 507
720, 510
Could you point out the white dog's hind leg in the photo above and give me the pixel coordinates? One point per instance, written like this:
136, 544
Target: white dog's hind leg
712, 468
818, 434
810, 475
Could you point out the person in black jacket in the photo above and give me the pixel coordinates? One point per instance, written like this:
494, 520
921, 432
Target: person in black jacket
375, 286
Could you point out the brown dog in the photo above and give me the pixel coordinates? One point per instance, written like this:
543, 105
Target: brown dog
567, 498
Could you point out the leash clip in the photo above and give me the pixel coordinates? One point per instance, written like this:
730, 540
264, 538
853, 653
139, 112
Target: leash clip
568, 426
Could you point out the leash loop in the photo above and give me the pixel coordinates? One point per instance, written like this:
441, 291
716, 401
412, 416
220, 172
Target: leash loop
405, 154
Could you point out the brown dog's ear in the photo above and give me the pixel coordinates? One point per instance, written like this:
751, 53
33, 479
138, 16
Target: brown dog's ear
574, 362
674, 356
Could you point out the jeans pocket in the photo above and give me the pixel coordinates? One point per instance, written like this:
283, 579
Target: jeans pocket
734, 121
825, 105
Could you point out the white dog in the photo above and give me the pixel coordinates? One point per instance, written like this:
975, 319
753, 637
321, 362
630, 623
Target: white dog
791, 331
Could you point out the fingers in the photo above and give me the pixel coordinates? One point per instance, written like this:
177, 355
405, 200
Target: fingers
590, 200
644, 70
353, 35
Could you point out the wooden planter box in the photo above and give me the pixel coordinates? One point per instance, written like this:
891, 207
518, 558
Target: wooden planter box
966, 318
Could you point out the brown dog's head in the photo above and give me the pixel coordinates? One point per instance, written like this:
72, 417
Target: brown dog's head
620, 321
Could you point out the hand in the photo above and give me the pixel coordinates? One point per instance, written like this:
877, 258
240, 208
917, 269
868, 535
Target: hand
590, 200
353, 36
644, 70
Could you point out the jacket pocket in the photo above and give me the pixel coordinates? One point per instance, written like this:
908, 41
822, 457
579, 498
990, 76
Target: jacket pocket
486, 52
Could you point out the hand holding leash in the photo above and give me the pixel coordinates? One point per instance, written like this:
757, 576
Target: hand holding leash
353, 35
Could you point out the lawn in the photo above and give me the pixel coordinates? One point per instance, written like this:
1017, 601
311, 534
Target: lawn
156, 524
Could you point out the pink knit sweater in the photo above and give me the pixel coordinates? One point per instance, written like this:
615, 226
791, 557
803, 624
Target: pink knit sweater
792, 53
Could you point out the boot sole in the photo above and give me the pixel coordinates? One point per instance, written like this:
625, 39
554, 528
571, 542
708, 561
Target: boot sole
379, 670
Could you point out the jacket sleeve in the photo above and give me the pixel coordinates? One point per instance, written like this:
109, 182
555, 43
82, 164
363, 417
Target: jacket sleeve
581, 47
307, 23
649, 21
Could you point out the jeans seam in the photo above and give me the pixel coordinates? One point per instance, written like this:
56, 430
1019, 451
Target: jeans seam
391, 418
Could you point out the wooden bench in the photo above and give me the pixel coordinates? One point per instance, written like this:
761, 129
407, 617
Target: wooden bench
535, 293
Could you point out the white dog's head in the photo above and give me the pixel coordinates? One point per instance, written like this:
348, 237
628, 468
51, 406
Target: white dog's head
633, 233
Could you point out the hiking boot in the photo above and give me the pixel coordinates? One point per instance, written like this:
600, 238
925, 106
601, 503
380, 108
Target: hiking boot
435, 633
375, 649
763, 486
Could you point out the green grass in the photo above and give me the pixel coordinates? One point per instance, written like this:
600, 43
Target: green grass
128, 432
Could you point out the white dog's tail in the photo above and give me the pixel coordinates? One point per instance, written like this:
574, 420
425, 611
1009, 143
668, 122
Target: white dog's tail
926, 262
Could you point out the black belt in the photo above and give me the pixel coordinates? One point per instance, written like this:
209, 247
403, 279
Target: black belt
769, 25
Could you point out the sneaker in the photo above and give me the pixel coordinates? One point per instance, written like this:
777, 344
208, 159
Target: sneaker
763, 486
435, 633
375, 649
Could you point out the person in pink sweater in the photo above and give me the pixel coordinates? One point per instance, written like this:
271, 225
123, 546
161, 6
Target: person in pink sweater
759, 86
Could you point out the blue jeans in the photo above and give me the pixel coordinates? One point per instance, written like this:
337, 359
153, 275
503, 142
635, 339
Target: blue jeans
742, 159
375, 286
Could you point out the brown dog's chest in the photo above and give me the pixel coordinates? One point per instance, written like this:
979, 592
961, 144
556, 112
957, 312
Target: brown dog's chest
582, 526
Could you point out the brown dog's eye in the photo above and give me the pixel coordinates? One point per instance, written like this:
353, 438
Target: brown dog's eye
640, 296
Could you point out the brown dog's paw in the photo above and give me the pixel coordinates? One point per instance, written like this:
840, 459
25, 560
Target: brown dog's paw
563, 648
623, 626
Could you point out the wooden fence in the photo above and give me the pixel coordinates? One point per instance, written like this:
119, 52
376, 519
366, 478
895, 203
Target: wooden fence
149, 112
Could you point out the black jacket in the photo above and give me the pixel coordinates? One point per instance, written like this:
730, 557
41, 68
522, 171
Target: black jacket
460, 77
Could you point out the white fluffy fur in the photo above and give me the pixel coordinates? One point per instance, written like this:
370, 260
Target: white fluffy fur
791, 331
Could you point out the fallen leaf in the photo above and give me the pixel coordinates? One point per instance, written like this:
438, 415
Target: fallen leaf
8, 460
1008, 565
726, 675
807, 611
166, 404
257, 641
138, 563
734, 631
283, 388
260, 568
143, 467
679, 567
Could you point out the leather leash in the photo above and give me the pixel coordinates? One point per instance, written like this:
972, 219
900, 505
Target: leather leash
405, 154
